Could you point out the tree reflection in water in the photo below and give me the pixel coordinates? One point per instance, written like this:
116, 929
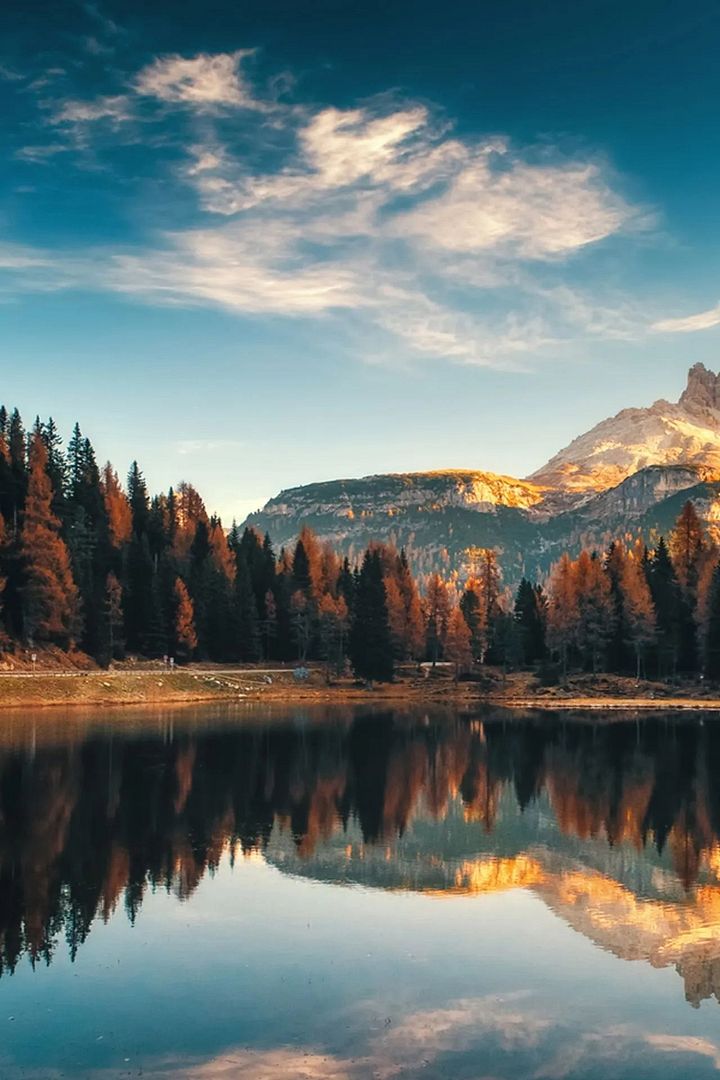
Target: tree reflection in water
614, 825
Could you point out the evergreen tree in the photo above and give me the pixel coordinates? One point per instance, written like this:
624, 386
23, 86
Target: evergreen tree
301, 570
529, 617
18, 475
712, 633
138, 499
687, 543
370, 643
49, 594
247, 628
665, 591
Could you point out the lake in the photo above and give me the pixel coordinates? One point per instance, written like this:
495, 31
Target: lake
340, 893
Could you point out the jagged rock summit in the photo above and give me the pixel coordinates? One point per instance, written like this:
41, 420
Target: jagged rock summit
686, 432
630, 473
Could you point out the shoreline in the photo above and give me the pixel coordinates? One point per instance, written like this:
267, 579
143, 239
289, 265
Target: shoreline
188, 686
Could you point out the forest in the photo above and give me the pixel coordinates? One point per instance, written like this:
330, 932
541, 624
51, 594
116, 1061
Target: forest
90, 564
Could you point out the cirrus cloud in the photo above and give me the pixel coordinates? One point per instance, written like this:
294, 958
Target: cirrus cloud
688, 324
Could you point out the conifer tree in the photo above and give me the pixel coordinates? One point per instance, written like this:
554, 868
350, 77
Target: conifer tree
563, 623
529, 618
712, 630
332, 631
370, 644
301, 570
114, 615
117, 508
457, 642
49, 594
638, 609
247, 629
184, 636
595, 609
346, 584
665, 591
437, 606
473, 615
18, 469
57, 464
138, 499
687, 544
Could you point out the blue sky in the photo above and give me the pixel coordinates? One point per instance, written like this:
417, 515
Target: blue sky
261, 244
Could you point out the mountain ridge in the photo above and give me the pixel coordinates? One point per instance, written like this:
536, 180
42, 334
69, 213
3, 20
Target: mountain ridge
618, 475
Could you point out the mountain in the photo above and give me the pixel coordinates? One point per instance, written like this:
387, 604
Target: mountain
631, 472
686, 432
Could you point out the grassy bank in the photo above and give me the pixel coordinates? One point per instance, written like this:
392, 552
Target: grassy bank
158, 686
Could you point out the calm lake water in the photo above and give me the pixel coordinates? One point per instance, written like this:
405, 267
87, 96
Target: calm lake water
344, 894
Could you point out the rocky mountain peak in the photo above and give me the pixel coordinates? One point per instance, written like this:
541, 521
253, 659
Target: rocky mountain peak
702, 390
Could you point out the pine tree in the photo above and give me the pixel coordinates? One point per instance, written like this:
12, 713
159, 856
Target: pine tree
370, 644
687, 544
57, 464
49, 594
112, 637
247, 628
529, 617
18, 469
346, 584
665, 591
301, 570
712, 631
138, 499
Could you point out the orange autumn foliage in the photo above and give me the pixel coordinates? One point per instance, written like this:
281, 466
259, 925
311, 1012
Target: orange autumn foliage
49, 596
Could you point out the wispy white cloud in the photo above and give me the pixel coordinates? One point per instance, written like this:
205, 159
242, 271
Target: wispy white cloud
688, 324
115, 108
204, 80
379, 215
535, 211
9, 74
41, 152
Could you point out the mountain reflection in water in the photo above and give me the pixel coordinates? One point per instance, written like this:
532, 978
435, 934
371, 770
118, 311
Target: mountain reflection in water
614, 826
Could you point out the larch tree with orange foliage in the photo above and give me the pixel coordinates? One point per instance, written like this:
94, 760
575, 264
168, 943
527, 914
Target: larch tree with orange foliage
117, 507
185, 639
595, 608
49, 594
403, 603
457, 642
437, 609
563, 617
638, 608
687, 541
333, 627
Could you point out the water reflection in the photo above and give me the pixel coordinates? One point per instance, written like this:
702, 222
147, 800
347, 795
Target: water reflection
614, 825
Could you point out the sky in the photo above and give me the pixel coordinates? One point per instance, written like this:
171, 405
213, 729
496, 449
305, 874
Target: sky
261, 244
